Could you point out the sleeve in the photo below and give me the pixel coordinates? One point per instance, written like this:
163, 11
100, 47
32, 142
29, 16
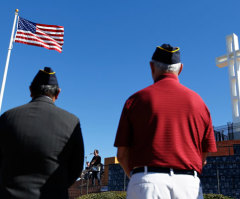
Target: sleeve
77, 155
124, 131
209, 142
92, 160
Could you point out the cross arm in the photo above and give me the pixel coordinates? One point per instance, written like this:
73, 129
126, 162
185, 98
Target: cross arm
222, 61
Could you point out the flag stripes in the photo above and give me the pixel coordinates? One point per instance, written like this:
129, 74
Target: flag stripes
54, 36
42, 35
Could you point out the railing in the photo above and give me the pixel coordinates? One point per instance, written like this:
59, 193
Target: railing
231, 131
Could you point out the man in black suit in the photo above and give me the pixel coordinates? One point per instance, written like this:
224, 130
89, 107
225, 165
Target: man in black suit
41, 145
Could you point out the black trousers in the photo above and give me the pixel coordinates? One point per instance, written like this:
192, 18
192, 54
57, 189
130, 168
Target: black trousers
96, 175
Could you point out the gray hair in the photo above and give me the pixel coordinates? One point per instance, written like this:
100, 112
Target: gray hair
167, 67
48, 90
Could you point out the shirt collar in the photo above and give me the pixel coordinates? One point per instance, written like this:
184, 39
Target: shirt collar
167, 75
43, 98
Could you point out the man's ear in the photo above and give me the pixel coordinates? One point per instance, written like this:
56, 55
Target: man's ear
152, 68
59, 90
180, 70
30, 91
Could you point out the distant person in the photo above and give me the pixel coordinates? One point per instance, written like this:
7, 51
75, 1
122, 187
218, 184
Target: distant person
164, 134
41, 145
95, 165
87, 173
87, 165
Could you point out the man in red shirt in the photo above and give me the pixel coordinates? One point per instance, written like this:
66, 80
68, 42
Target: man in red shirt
164, 134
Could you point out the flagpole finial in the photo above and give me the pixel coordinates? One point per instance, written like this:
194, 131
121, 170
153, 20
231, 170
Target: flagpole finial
16, 10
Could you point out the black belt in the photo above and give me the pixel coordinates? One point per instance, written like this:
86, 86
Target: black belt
164, 170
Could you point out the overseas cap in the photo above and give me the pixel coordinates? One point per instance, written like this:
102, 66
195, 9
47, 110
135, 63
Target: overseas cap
45, 77
167, 54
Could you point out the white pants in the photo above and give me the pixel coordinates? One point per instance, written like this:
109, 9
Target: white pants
164, 186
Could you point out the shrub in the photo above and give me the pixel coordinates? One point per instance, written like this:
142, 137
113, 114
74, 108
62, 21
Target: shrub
122, 195
215, 196
105, 195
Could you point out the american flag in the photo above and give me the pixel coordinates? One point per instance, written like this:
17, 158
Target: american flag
47, 36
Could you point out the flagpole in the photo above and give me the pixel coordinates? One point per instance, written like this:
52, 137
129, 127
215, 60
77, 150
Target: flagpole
8, 57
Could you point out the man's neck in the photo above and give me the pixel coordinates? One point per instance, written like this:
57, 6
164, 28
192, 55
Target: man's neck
51, 98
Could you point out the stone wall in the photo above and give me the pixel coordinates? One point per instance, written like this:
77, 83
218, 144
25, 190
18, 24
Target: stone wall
226, 148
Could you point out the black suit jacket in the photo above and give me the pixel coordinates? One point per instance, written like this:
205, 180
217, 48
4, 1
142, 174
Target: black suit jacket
41, 151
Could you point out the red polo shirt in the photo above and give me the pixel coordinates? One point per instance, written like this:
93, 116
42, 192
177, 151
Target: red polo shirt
166, 125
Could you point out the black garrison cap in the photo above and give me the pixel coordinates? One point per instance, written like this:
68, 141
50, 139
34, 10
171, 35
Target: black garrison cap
167, 54
45, 77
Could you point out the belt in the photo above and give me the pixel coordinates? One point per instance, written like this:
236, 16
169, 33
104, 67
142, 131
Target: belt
164, 170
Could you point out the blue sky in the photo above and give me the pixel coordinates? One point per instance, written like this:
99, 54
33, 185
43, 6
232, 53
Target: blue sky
106, 53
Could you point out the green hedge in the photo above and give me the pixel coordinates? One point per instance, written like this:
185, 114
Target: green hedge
215, 196
105, 195
122, 195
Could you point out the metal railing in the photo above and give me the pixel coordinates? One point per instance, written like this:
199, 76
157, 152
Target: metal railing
231, 131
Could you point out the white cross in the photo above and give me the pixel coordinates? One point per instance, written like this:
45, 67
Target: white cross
232, 60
